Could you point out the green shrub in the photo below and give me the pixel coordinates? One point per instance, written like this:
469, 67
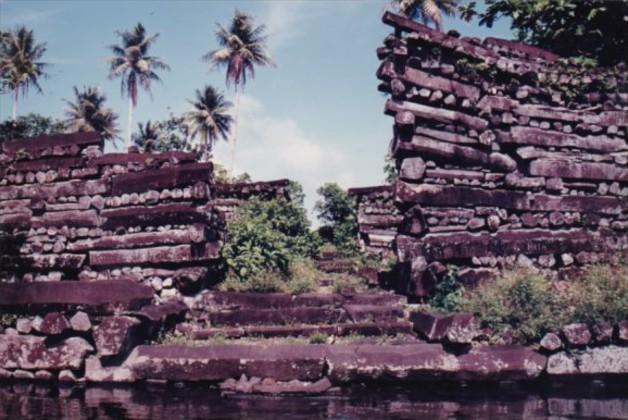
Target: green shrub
600, 294
318, 338
336, 211
448, 293
262, 282
302, 277
521, 301
265, 235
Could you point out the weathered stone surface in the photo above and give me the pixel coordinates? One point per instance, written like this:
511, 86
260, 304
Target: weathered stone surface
456, 328
436, 247
220, 362
467, 196
32, 353
116, 335
194, 234
53, 323
434, 148
578, 170
38, 146
551, 342
622, 331
95, 372
80, 322
308, 315
538, 137
436, 114
600, 361
156, 255
152, 216
97, 297
159, 179
577, 334
412, 168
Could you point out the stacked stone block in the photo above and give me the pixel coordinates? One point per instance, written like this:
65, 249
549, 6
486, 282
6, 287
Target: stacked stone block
79, 214
505, 153
378, 219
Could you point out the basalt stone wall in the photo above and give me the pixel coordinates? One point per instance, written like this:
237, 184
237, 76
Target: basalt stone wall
70, 212
378, 219
226, 198
506, 154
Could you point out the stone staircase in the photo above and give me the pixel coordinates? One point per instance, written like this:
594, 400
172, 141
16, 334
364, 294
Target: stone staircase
268, 315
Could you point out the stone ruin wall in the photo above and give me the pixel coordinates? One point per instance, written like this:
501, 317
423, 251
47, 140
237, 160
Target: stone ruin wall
378, 219
70, 212
506, 155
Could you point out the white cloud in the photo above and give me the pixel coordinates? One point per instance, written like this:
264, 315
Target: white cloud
284, 21
272, 147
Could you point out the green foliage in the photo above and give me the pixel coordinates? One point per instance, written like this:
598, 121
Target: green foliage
318, 338
390, 170
302, 277
7, 320
336, 211
592, 28
600, 294
31, 125
222, 176
521, 301
447, 293
162, 136
265, 236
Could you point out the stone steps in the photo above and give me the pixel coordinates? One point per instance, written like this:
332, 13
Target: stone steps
386, 328
237, 315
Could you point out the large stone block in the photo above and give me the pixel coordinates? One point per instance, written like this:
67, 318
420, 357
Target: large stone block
160, 179
32, 353
220, 362
96, 297
173, 214
51, 145
156, 255
441, 195
116, 335
578, 170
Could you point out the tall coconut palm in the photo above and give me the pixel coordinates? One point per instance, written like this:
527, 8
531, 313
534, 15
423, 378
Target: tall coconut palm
132, 63
210, 120
20, 65
148, 136
242, 48
87, 113
427, 10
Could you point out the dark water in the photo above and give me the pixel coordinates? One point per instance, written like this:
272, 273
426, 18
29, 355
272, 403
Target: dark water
586, 400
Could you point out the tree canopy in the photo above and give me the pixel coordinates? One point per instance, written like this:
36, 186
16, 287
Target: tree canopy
594, 28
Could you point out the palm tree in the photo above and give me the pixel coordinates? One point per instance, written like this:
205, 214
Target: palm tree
87, 113
148, 136
20, 65
210, 119
427, 10
132, 63
242, 48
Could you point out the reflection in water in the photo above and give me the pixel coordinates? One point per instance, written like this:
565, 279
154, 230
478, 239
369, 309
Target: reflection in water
590, 400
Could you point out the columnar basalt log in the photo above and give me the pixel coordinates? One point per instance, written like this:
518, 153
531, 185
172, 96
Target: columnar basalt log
538, 161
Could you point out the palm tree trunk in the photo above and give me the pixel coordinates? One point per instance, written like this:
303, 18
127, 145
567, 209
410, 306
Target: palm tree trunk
235, 130
130, 124
14, 104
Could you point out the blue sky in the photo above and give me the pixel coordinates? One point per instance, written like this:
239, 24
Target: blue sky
317, 117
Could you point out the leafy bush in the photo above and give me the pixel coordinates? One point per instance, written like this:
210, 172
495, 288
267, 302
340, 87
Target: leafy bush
600, 294
302, 277
336, 211
521, 301
265, 236
529, 304
447, 293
